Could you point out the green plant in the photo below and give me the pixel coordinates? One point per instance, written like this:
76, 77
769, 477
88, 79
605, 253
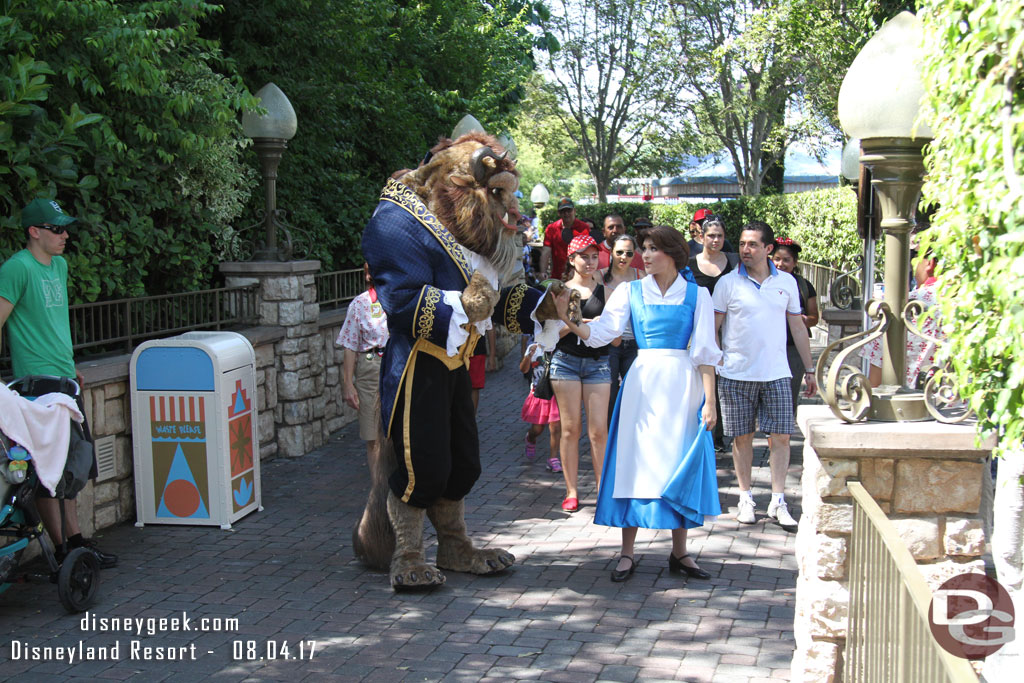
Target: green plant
121, 111
374, 85
973, 66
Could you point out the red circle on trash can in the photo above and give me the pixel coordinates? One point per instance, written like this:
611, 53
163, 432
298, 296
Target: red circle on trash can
181, 498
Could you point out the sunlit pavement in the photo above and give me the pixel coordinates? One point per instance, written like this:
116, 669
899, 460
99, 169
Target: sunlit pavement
307, 610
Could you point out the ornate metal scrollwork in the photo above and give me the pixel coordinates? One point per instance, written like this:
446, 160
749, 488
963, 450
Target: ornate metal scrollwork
942, 398
285, 251
845, 388
845, 289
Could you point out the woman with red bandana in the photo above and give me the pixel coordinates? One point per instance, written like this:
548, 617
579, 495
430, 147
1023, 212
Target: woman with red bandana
580, 374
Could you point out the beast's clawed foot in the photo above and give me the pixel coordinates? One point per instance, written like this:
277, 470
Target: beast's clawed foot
474, 561
413, 575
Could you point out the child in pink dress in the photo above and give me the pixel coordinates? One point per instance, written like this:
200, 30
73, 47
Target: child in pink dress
538, 412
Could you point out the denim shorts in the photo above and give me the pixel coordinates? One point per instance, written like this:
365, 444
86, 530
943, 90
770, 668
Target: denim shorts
565, 367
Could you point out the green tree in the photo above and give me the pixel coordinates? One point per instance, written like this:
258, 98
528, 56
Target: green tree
762, 75
615, 80
973, 66
374, 85
547, 154
121, 111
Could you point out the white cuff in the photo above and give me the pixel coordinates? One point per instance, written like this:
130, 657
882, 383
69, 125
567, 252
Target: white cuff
457, 335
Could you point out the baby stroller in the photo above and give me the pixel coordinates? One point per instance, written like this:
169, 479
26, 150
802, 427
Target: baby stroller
78, 577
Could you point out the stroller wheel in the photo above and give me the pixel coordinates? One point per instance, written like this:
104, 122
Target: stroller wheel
79, 580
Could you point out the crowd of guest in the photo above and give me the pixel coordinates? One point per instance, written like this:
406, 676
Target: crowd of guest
655, 336
671, 350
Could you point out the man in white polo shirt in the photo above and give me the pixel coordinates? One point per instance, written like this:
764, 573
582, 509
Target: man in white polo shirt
753, 305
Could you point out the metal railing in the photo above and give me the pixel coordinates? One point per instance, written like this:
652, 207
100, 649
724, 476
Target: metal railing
889, 638
338, 287
123, 323
820, 276
119, 325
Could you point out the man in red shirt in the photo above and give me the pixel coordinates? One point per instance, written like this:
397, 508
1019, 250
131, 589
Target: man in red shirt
554, 254
613, 227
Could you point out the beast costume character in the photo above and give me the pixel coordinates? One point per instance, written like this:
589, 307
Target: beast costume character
440, 245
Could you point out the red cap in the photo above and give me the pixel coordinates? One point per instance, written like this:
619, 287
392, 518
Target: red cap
581, 242
701, 214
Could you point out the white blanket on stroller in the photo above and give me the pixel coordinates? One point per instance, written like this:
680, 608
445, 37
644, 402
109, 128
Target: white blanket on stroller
43, 427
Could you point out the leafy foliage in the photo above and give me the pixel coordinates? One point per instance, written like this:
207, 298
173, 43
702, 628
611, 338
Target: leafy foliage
118, 110
823, 222
547, 154
973, 65
762, 75
374, 84
613, 84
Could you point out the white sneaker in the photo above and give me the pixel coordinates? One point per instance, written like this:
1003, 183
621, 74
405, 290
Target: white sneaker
745, 511
780, 513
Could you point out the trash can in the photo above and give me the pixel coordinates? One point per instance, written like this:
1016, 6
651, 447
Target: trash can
194, 429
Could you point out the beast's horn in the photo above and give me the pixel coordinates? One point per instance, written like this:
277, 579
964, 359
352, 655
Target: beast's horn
477, 162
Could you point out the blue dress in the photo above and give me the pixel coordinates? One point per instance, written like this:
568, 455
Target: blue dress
659, 467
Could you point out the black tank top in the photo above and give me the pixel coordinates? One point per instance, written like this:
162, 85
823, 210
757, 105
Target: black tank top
570, 343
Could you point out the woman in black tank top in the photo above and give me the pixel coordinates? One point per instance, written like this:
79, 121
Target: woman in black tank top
580, 374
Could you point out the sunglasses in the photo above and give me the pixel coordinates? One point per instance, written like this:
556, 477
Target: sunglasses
623, 253
55, 229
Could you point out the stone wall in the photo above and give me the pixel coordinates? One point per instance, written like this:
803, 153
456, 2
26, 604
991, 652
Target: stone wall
108, 409
929, 478
298, 383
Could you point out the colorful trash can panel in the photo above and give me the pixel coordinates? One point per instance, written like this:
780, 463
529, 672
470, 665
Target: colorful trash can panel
194, 424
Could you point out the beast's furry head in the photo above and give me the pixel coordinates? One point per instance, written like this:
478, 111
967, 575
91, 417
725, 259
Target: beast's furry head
470, 185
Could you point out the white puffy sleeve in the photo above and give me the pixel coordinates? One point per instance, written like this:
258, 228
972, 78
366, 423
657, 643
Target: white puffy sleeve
703, 347
613, 319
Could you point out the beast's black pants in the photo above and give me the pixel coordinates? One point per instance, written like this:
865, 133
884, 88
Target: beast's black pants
433, 428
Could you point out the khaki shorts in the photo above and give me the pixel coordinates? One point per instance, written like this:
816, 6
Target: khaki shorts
367, 381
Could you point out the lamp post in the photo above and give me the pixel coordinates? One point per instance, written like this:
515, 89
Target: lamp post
851, 170
467, 124
539, 196
270, 133
879, 102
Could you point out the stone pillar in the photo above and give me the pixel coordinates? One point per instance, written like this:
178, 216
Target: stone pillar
928, 477
288, 298
842, 322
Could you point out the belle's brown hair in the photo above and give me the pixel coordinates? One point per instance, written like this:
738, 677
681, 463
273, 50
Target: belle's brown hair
670, 241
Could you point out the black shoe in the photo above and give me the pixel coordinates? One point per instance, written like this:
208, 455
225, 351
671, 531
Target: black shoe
676, 566
620, 576
106, 560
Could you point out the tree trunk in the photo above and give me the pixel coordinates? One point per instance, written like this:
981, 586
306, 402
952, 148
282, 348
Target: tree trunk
601, 183
774, 178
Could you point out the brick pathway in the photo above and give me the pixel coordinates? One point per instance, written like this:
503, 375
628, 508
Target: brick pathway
287, 574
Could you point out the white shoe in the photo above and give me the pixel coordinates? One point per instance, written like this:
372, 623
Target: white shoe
745, 511
780, 513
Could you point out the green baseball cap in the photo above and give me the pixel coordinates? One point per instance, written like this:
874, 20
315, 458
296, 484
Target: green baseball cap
44, 212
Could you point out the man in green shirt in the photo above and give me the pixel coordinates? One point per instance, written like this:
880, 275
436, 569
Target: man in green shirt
34, 311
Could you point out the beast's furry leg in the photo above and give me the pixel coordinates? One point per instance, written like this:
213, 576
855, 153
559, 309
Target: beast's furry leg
455, 552
409, 569
374, 540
